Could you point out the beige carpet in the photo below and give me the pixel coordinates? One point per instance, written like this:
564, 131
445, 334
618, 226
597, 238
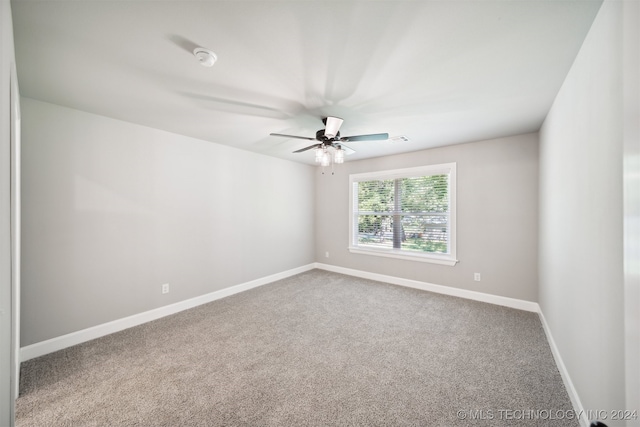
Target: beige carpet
315, 349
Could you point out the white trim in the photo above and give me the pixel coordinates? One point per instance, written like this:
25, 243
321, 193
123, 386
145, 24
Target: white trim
568, 384
446, 290
15, 203
78, 337
449, 169
406, 255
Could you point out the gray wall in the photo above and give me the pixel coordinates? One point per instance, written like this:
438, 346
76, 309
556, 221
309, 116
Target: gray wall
581, 261
6, 325
497, 217
112, 210
631, 184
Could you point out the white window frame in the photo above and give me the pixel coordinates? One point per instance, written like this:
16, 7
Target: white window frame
435, 258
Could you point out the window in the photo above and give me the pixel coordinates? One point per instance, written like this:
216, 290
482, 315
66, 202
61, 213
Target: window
407, 213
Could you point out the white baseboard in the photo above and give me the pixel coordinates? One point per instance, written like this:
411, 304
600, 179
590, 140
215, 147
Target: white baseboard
74, 338
564, 373
446, 290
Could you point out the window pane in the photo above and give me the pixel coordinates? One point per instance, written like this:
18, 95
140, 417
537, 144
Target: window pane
420, 203
419, 233
375, 196
375, 231
425, 233
425, 194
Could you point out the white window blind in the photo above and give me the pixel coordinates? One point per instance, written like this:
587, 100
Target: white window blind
405, 213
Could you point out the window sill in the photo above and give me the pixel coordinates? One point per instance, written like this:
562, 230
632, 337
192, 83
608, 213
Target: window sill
390, 253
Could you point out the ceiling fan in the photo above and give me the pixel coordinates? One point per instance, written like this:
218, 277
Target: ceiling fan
330, 137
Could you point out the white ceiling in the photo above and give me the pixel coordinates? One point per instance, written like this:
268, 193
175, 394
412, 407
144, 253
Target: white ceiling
437, 72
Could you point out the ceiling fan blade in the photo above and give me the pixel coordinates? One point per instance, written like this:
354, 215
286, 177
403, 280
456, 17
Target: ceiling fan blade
292, 136
347, 150
372, 137
332, 126
307, 148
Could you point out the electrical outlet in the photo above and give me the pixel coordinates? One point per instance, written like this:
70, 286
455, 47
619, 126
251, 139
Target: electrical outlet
326, 254
165, 288
476, 277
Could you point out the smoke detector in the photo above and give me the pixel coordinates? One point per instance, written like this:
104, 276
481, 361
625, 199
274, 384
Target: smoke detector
206, 57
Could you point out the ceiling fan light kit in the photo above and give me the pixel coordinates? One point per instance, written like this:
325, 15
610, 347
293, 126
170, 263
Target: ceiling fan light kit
325, 157
329, 137
338, 155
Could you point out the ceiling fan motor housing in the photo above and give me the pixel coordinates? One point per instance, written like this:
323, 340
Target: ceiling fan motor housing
320, 136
